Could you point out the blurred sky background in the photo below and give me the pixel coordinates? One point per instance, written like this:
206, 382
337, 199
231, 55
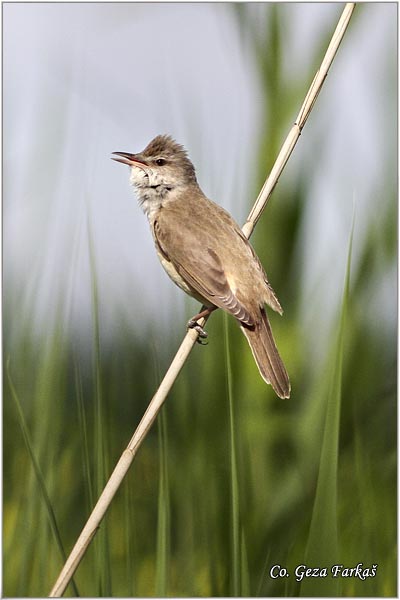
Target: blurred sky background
81, 80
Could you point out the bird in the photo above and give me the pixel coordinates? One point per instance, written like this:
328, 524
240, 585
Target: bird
204, 251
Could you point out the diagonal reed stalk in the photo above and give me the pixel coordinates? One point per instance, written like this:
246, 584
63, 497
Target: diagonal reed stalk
191, 336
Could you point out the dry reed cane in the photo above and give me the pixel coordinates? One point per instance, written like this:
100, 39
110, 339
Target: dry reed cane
189, 340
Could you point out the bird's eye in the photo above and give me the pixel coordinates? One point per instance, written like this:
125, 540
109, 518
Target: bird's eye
160, 162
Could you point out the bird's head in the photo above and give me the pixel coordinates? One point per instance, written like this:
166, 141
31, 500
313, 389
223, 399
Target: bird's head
162, 166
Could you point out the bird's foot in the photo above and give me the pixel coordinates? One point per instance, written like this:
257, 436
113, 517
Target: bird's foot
193, 324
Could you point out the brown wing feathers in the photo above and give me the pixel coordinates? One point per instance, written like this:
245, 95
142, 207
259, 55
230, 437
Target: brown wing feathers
204, 272
216, 290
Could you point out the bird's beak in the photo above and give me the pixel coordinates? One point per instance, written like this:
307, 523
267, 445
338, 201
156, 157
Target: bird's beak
129, 159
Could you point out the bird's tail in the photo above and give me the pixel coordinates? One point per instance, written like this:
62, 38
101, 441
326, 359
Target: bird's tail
266, 355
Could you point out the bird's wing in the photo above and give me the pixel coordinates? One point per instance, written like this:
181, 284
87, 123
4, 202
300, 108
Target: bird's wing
270, 297
201, 268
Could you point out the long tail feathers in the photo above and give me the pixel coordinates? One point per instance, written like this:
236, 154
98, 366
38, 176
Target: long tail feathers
266, 355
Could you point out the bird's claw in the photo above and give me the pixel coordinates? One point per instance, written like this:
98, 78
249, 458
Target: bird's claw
192, 324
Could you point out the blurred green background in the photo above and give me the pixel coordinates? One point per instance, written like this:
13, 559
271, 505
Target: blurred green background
231, 480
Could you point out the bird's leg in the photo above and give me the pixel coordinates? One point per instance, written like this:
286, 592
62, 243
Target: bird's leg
193, 324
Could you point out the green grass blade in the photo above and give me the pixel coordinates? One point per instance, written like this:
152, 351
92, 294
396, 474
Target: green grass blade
100, 424
163, 527
129, 540
264, 572
235, 516
38, 473
244, 573
84, 437
322, 547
